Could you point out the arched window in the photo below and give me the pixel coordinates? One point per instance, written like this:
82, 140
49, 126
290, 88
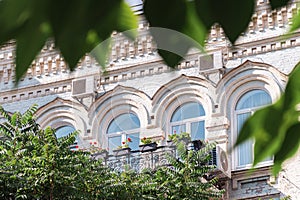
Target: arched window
121, 128
64, 131
246, 106
189, 117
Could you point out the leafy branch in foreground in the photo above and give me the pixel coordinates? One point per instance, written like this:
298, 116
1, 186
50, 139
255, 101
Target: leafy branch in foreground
188, 173
35, 165
31, 23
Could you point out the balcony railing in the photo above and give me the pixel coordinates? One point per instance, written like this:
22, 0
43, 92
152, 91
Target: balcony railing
138, 160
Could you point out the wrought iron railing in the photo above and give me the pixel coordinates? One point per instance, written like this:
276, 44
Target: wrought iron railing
138, 160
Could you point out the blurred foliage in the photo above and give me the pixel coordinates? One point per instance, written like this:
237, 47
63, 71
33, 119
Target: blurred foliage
78, 27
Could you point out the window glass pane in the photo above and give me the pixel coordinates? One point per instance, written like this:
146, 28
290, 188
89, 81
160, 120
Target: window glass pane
64, 131
114, 143
245, 149
197, 130
124, 122
187, 111
178, 129
253, 99
135, 141
245, 153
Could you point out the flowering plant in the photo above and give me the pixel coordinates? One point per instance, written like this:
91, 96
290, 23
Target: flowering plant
95, 149
125, 144
176, 137
145, 140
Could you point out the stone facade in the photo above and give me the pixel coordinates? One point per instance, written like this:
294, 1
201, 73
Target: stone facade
137, 81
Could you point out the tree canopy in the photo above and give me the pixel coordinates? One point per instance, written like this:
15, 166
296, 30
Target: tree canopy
34, 164
78, 27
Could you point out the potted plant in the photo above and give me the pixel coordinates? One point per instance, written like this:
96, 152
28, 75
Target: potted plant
175, 138
147, 145
123, 149
97, 152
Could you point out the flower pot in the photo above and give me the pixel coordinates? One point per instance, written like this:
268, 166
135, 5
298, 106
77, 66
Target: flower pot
185, 140
122, 152
100, 155
148, 147
170, 143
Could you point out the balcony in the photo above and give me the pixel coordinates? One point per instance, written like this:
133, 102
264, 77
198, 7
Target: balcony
138, 160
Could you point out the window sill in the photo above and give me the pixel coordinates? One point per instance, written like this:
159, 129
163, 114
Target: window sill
249, 166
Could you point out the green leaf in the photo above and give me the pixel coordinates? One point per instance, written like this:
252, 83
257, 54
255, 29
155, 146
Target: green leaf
101, 51
195, 27
288, 148
295, 23
175, 21
267, 138
205, 10
123, 20
233, 15
95, 21
29, 44
127, 21
278, 3
13, 15
155, 12
176, 32
70, 37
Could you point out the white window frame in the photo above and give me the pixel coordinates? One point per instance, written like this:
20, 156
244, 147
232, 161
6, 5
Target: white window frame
188, 123
123, 134
236, 152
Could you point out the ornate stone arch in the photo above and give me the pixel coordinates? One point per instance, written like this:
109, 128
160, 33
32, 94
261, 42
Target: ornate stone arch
115, 102
248, 76
60, 112
181, 90
237, 82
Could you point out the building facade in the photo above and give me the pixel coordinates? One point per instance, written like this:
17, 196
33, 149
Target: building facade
209, 95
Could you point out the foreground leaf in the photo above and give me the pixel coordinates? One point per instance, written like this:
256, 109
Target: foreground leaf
233, 15
176, 32
34, 35
295, 23
278, 3
76, 27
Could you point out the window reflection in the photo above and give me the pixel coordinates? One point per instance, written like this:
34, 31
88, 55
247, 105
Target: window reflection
121, 128
189, 117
